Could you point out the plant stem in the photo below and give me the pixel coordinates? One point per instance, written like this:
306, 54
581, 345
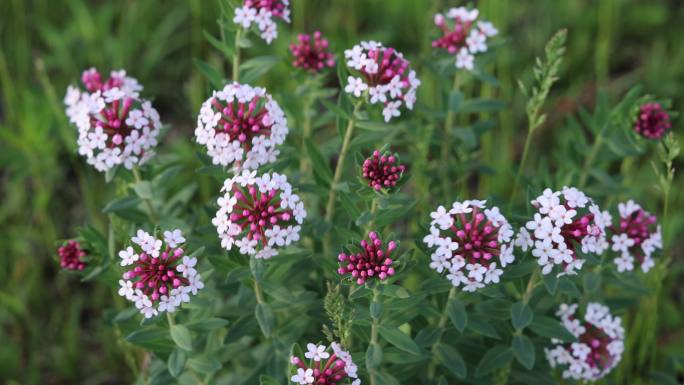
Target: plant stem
590, 159
372, 372
332, 194
169, 317
148, 204
446, 140
530, 286
236, 56
523, 164
306, 134
432, 366
258, 292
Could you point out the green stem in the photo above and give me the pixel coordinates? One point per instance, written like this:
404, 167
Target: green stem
372, 372
446, 140
169, 317
530, 285
148, 204
258, 292
523, 164
236, 56
590, 159
306, 134
332, 194
441, 325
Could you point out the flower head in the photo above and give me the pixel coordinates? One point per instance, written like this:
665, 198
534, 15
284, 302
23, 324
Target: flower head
386, 75
71, 256
311, 53
599, 346
382, 170
258, 214
372, 261
653, 121
160, 277
263, 14
565, 221
114, 125
635, 237
462, 35
241, 125
472, 243
324, 366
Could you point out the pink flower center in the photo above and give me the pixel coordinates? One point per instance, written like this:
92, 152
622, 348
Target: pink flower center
112, 119
598, 342
476, 236
93, 81
257, 212
454, 37
653, 121
382, 171
276, 7
312, 55
242, 121
158, 276
371, 261
389, 65
332, 373
574, 232
70, 256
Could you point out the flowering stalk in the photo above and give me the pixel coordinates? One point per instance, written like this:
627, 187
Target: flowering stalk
148, 204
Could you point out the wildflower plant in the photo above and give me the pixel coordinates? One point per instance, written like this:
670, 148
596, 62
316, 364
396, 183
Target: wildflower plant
635, 237
463, 35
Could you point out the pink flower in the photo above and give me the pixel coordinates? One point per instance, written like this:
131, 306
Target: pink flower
324, 367
599, 346
71, 256
382, 171
635, 236
241, 125
653, 121
462, 36
372, 261
312, 53
263, 13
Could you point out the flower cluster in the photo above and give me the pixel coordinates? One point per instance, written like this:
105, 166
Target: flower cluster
311, 53
258, 214
241, 124
384, 74
470, 240
263, 13
160, 277
114, 125
635, 236
381, 170
653, 121
599, 346
337, 368
373, 261
71, 256
463, 35
565, 220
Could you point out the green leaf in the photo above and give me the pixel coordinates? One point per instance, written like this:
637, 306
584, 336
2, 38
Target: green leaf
319, 164
385, 378
265, 318
451, 359
176, 362
267, 380
255, 68
551, 283
400, 340
204, 364
457, 313
494, 308
479, 325
207, 325
549, 327
181, 336
219, 45
495, 358
121, 204
152, 338
481, 105
523, 349
211, 73
455, 100
592, 282
143, 189
375, 309
337, 110
521, 315
373, 355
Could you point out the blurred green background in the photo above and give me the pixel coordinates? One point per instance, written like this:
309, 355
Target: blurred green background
51, 325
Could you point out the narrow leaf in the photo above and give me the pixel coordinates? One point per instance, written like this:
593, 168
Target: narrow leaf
399, 340
523, 349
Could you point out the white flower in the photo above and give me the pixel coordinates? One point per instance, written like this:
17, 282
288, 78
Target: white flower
316, 352
174, 238
624, 262
487, 28
128, 256
492, 274
126, 289
524, 240
442, 218
622, 242
303, 377
355, 86
391, 110
244, 16
465, 60
377, 94
476, 42
187, 266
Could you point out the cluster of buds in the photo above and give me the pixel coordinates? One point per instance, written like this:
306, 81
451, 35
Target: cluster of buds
565, 220
653, 121
635, 236
258, 214
471, 242
374, 260
241, 124
311, 53
599, 346
114, 125
382, 170
71, 256
160, 276
324, 368
263, 14
384, 74
463, 35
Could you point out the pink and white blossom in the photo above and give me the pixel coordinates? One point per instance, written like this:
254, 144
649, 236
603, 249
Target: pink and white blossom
326, 365
635, 237
463, 35
372, 261
263, 14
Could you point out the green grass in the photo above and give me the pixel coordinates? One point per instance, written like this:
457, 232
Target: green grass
51, 325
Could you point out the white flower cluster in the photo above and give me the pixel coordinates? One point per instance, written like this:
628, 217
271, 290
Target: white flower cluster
599, 347
258, 214
384, 74
633, 237
471, 243
464, 36
564, 220
114, 126
160, 278
241, 124
317, 353
263, 16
